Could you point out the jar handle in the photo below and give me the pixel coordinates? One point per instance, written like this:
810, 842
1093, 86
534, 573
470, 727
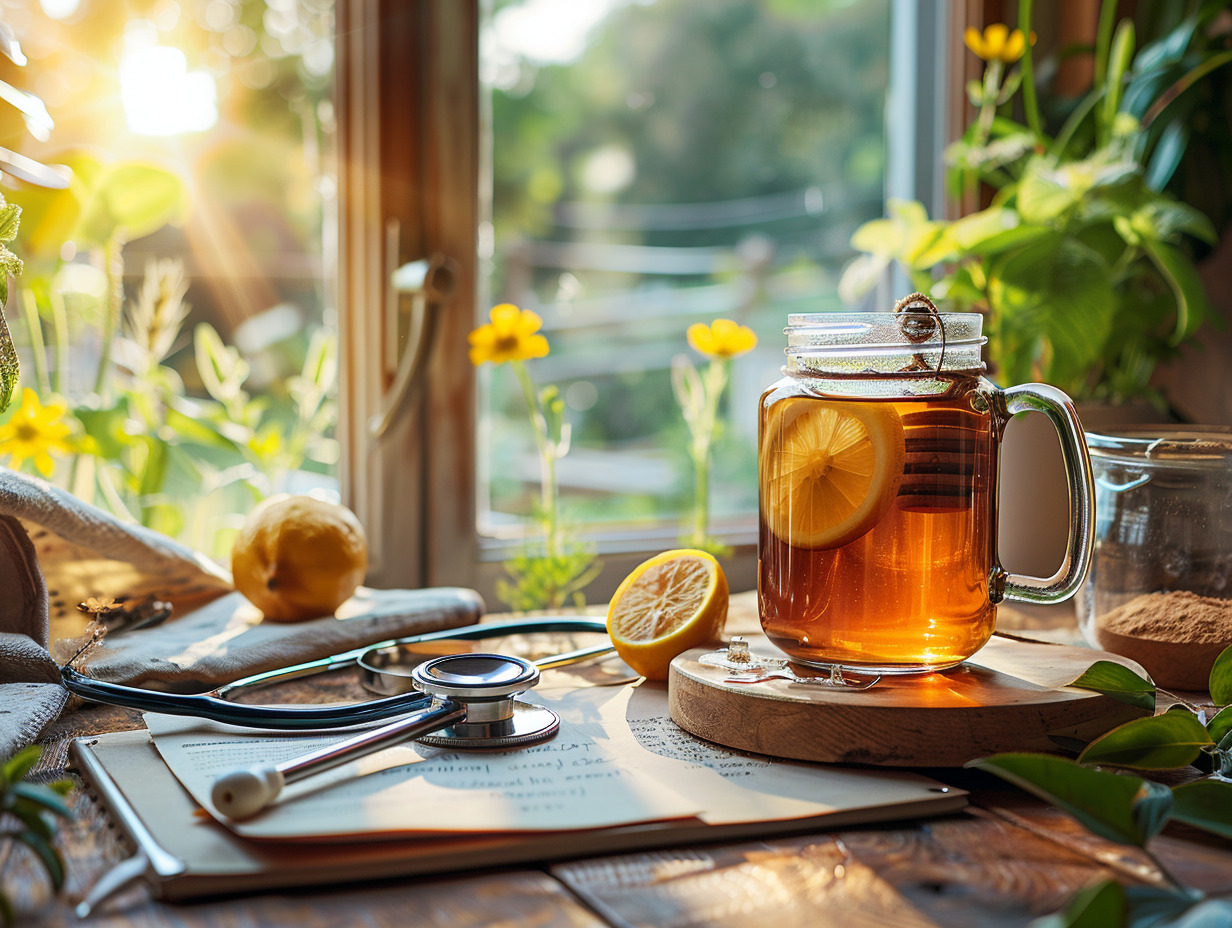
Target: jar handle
1038, 397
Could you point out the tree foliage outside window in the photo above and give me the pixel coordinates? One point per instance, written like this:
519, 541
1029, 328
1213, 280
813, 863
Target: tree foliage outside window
683, 160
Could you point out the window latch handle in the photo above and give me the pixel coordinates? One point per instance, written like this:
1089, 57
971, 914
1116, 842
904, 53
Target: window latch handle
416, 293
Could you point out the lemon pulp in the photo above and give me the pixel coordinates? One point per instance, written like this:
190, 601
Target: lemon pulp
828, 470
672, 602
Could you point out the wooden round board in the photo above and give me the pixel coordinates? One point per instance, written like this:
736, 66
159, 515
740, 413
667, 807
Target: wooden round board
1011, 696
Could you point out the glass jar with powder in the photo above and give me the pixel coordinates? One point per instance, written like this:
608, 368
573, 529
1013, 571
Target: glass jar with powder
1160, 586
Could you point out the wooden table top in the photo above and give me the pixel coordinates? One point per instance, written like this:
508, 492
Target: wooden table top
1004, 860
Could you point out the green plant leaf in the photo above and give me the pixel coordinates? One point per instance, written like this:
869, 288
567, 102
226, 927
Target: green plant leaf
1168, 48
1119, 682
47, 854
1099, 905
928, 246
197, 431
21, 763
154, 473
108, 429
1043, 194
992, 231
1122, 808
1056, 290
10, 220
881, 237
1205, 804
1120, 56
1166, 155
1161, 742
1186, 286
49, 217
1162, 219
1221, 725
132, 199
42, 796
1221, 679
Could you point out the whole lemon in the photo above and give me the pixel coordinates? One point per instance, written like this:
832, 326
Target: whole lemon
298, 557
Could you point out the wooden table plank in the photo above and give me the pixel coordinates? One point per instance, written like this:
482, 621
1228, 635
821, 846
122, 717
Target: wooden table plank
496, 898
970, 869
1199, 860
974, 869
791, 883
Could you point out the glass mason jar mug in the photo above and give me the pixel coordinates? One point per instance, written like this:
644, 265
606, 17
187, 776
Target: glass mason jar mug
877, 472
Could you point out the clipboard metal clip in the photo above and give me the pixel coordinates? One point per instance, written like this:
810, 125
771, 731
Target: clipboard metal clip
119, 877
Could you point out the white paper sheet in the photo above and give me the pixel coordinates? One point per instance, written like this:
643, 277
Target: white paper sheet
618, 759
567, 783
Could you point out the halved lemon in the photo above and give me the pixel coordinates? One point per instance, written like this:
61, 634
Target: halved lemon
828, 471
675, 601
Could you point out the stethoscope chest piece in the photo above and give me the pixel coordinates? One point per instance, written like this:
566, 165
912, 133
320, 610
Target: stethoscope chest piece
487, 685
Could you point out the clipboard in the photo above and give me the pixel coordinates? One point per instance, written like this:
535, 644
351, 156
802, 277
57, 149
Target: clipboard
182, 856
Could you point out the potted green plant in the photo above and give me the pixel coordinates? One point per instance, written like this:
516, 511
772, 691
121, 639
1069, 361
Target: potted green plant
1081, 259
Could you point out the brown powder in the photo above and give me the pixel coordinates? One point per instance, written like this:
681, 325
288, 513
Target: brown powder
1178, 616
1176, 635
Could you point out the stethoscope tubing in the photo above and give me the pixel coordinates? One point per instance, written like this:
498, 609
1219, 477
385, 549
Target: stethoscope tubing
205, 706
465, 633
217, 706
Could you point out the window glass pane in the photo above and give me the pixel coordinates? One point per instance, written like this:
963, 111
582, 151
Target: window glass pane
200, 133
656, 163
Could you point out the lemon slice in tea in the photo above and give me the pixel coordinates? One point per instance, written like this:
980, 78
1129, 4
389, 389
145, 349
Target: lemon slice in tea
828, 471
675, 601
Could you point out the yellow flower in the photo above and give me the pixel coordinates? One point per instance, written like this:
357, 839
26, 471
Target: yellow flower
510, 336
721, 339
34, 431
997, 43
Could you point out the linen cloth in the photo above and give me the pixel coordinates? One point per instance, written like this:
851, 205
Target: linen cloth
57, 551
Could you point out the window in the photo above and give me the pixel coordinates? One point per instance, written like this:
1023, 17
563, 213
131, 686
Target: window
623, 189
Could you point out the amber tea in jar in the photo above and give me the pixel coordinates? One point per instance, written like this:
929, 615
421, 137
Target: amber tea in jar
877, 467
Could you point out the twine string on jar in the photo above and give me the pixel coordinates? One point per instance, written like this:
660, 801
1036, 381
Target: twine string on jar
918, 327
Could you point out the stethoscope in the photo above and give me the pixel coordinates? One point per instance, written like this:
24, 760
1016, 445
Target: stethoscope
386, 669
455, 701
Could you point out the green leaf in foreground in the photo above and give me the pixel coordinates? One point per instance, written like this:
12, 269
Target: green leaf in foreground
1205, 804
1221, 725
1100, 905
16, 767
50, 857
1221, 679
1161, 742
1121, 808
1119, 682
